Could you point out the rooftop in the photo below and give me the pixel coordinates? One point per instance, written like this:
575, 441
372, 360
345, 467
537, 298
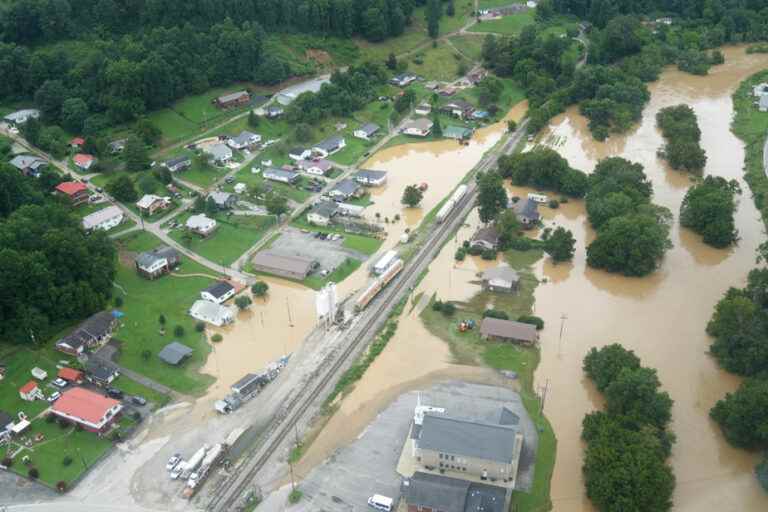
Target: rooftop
346, 187
280, 173
293, 264
232, 96
96, 218
369, 174
84, 404
147, 200
508, 329
71, 187
468, 438
369, 128
174, 353
503, 273
419, 124
199, 221
219, 289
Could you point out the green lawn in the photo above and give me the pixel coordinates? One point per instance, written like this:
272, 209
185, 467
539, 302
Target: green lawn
508, 25
488, 4
338, 275
144, 302
133, 388
469, 45
257, 181
441, 63
469, 348
233, 236
195, 173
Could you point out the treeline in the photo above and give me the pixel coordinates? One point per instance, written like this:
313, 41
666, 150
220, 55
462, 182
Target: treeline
347, 92
625, 466
680, 128
544, 168
739, 326
708, 210
52, 271
46, 21
632, 232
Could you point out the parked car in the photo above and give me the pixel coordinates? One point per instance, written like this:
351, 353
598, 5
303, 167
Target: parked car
229, 179
173, 461
60, 383
54, 396
139, 400
115, 393
99, 190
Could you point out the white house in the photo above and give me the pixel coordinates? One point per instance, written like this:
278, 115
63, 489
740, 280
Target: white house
212, 313
150, 203
219, 292
244, 140
370, 178
322, 213
280, 175
316, 167
299, 154
220, 153
105, 219
418, 127
423, 109
201, 224
240, 188
329, 146
21, 116
366, 131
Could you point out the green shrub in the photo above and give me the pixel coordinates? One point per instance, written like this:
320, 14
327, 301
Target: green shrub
178, 331
33, 473
200, 326
448, 309
495, 313
67, 460
489, 254
217, 338
460, 254
533, 320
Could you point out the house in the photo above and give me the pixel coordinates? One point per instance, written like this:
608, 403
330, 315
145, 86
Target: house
116, 146
760, 89
219, 153
418, 127
71, 375
92, 411
99, 373
245, 140
480, 115
762, 104
468, 448
281, 175
75, 191
370, 178
83, 161
240, 188
403, 79
316, 167
77, 143
219, 292
6, 425
527, 212
273, 111
291, 267
438, 493
223, 200
249, 385
508, 330
201, 224
39, 373
235, 99
31, 392
21, 116
179, 163
458, 108
212, 313
477, 76
345, 189
160, 260
423, 109
29, 165
486, 239
299, 153
322, 213
174, 353
92, 333
329, 146
350, 210
366, 131
150, 203
501, 279
105, 219
457, 132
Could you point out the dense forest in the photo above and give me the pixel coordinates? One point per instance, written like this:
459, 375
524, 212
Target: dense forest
52, 271
680, 128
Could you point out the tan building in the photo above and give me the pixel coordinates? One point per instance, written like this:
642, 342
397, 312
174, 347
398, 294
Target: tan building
468, 449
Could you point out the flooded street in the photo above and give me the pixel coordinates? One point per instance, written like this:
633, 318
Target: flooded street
661, 317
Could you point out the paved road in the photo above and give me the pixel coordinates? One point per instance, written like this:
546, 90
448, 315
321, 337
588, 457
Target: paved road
765, 156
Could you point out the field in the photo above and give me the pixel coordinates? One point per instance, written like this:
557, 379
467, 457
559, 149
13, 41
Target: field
507, 25
488, 4
145, 301
469, 45
439, 63
234, 235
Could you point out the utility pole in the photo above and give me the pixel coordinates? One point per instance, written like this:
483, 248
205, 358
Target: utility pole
563, 318
288, 305
543, 390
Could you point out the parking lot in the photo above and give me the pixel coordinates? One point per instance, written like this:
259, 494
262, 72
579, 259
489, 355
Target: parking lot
328, 251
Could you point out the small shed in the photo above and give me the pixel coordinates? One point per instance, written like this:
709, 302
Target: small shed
39, 373
501, 279
174, 353
508, 330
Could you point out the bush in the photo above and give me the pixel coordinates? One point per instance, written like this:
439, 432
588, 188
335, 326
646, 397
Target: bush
118, 301
63, 422
495, 313
448, 309
33, 473
489, 254
146, 354
50, 418
7, 462
460, 254
259, 289
61, 486
67, 460
136, 416
216, 338
200, 326
521, 243
178, 331
475, 250
295, 496
554, 204
437, 305
533, 320
465, 244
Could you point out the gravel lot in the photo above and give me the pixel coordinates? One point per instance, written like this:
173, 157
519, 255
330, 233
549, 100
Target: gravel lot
330, 254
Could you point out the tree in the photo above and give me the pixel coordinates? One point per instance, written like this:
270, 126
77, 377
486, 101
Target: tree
147, 132
437, 129
50, 98
253, 119
544, 168
490, 49
276, 204
603, 365
634, 394
405, 101
74, 112
511, 125
708, 209
178, 331
122, 189
508, 227
632, 245
303, 132
135, 154
434, 12
161, 320
259, 289
450, 9
560, 245
202, 161
739, 327
743, 415
243, 302
412, 196
491, 198
391, 61
211, 208
147, 184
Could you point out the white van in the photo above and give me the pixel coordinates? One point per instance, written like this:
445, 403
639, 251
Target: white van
380, 502
537, 198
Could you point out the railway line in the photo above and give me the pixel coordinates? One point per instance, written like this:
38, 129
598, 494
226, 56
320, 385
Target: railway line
372, 318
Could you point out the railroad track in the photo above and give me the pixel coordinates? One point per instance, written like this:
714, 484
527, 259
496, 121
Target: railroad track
376, 313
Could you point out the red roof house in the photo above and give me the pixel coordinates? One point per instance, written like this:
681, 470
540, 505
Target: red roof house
30, 391
77, 142
83, 161
71, 375
74, 190
95, 412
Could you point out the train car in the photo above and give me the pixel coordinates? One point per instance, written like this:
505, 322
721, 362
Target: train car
391, 272
445, 210
368, 295
461, 190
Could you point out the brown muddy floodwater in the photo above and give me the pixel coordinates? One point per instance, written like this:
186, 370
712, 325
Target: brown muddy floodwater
661, 317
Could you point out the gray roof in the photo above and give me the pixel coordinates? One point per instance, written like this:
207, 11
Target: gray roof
326, 209
488, 234
504, 273
249, 383
5, 420
178, 160
331, 143
146, 259
468, 438
274, 109
244, 138
369, 128
322, 164
508, 329
222, 198
96, 218
436, 492
22, 162
459, 104
420, 124
527, 208
367, 174
219, 151
297, 151
293, 264
174, 353
231, 96
99, 370
347, 187
274, 172
219, 289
